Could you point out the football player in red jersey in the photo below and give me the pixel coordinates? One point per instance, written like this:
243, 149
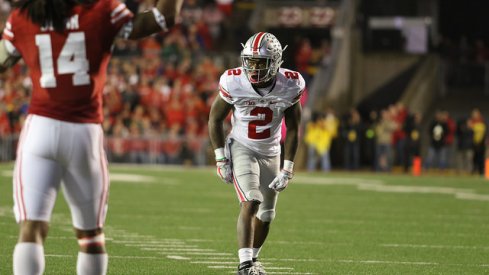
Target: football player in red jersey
67, 45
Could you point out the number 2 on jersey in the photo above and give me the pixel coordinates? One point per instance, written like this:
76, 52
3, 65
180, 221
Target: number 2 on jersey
267, 118
71, 60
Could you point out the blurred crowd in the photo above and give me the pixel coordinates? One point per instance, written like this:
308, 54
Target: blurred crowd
465, 62
159, 90
394, 137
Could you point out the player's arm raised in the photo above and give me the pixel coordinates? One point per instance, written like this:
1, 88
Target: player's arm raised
160, 18
8, 57
219, 110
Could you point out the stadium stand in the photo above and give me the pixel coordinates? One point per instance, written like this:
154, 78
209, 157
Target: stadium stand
355, 58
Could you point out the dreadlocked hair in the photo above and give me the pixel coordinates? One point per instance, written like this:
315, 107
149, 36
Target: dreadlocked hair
47, 12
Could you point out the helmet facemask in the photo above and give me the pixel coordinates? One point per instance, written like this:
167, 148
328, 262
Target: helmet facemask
261, 57
257, 69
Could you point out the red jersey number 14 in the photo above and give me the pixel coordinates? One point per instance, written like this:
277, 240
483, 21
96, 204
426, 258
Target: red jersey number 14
71, 60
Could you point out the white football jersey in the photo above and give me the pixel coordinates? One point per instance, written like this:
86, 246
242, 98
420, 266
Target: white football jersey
257, 119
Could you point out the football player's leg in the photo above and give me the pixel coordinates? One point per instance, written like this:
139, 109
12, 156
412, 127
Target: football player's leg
246, 183
33, 209
86, 186
35, 184
269, 168
92, 258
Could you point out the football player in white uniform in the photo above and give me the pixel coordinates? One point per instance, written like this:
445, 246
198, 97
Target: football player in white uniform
260, 94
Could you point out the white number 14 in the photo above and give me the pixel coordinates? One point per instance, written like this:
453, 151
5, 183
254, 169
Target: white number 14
71, 60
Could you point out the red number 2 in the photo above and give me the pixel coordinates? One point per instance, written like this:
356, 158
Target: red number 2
234, 72
268, 116
292, 75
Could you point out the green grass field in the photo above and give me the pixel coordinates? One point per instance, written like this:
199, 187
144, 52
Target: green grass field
165, 220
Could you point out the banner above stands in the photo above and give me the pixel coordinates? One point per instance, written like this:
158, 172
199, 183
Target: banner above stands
299, 17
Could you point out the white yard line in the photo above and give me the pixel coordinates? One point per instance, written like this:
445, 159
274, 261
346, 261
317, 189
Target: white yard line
177, 257
405, 263
279, 268
176, 250
380, 186
138, 242
198, 240
385, 262
435, 246
7, 173
223, 267
213, 262
135, 257
163, 245
217, 258
299, 273
122, 177
291, 260
59, 256
199, 253
110, 256
275, 272
474, 197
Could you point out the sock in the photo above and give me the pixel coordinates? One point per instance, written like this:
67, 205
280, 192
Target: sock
256, 252
28, 259
245, 254
91, 264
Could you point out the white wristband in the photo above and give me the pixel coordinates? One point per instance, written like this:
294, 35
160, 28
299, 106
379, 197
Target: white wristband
160, 19
288, 166
219, 152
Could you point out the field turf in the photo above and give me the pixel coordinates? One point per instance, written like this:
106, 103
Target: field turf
174, 220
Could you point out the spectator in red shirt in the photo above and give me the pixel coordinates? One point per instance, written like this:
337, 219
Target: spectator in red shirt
175, 112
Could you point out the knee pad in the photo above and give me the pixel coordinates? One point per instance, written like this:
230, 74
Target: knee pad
98, 240
254, 195
266, 215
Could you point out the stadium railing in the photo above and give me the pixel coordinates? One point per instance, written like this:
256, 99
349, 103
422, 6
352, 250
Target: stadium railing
165, 150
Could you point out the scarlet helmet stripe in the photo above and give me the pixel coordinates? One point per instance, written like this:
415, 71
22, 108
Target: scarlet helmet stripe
257, 41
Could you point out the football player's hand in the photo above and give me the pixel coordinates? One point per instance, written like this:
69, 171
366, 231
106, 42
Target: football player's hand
281, 181
224, 170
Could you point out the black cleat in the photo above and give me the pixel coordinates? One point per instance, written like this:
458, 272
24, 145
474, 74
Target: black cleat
247, 268
259, 267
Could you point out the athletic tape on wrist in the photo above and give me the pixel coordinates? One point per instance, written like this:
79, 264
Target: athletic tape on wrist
288, 166
219, 152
